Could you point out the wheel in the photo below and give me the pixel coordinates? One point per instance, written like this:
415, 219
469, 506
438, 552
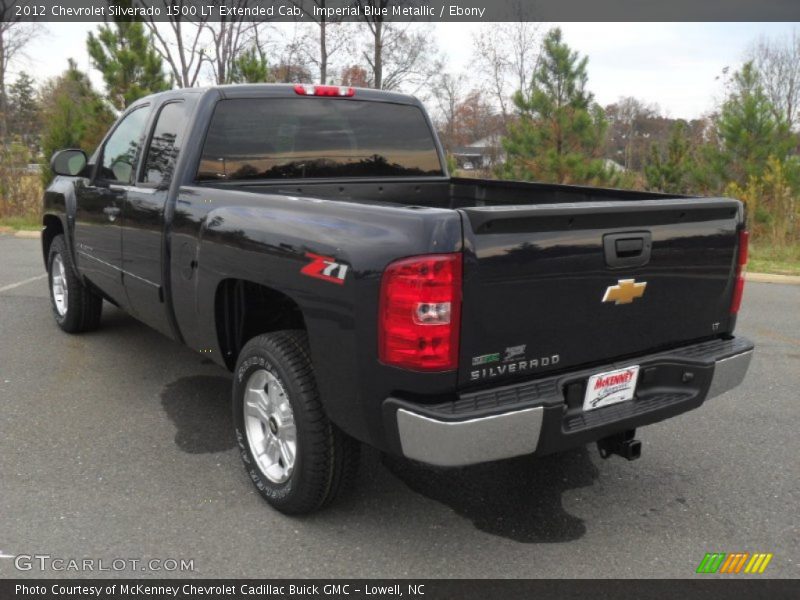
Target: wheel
76, 307
297, 458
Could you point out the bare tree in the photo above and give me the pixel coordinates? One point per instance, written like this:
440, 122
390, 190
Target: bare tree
778, 65
14, 37
229, 37
410, 57
289, 64
491, 61
524, 42
449, 89
327, 41
377, 28
633, 127
179, 41
398, 54
507, 55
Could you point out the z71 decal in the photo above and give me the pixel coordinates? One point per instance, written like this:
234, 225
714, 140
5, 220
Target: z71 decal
325, 268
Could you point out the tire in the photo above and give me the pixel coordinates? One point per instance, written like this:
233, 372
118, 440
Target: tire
76, 308
297, 468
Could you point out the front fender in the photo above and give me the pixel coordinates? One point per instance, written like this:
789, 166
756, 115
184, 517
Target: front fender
59, 201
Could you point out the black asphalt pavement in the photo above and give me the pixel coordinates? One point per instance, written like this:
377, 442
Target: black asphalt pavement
118, 445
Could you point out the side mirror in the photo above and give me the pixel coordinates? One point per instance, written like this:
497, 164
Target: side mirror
68, 162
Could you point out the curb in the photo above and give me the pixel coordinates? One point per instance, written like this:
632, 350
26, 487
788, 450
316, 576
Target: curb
770, 278
28, 235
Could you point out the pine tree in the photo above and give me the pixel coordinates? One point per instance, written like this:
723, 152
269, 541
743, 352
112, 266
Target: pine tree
23, 112
559, 134
250, 67
74, 115
748, 132
671, 173
131, 67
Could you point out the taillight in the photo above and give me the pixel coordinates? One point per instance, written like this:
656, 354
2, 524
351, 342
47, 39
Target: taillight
323, 90
744, 247
741, 263
420, 313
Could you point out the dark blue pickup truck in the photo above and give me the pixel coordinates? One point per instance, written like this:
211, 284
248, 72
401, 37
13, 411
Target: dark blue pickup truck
310, 239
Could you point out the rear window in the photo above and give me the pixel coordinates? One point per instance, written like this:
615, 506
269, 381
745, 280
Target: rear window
298, 138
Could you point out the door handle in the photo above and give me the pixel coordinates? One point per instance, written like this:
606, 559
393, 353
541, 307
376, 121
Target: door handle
629, 246
112, 212
628, 249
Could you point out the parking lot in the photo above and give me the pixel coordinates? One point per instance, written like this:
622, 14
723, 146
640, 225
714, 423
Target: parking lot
119, 444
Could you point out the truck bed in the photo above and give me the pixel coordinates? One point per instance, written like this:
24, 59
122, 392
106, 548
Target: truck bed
441, 193
541, 262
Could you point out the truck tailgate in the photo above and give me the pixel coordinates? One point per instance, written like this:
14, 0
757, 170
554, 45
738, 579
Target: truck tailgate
556, 286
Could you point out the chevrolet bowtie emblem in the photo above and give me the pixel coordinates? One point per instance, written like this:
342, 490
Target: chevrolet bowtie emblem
625, 292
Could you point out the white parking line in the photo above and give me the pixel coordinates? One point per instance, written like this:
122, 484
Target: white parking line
11, 286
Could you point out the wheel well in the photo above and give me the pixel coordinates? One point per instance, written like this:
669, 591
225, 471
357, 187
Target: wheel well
244, 309
52, 228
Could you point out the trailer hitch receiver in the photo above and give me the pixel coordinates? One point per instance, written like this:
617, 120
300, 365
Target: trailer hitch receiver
621, 444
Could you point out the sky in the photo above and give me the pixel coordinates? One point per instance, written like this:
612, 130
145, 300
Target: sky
674, 65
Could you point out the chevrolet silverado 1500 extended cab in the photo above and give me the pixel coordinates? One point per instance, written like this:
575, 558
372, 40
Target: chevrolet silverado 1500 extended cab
310, 239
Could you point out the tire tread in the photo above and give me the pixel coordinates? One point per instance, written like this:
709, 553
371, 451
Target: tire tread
84, 306
330, 459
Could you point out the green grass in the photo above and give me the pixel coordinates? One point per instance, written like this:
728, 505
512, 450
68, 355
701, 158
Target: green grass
26, 223
772, 259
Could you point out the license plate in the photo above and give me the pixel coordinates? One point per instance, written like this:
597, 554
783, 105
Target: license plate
610, 387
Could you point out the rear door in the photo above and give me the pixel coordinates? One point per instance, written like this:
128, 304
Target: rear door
98, 216
551, 287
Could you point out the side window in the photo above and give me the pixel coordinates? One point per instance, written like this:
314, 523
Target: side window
165, 145
121, 149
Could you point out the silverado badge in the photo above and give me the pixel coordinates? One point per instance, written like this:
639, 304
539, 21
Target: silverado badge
625, 292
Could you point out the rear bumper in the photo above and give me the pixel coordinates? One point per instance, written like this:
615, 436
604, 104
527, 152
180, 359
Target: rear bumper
729, 373
546, 415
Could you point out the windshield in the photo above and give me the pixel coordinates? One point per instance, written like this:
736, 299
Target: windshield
297, 138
